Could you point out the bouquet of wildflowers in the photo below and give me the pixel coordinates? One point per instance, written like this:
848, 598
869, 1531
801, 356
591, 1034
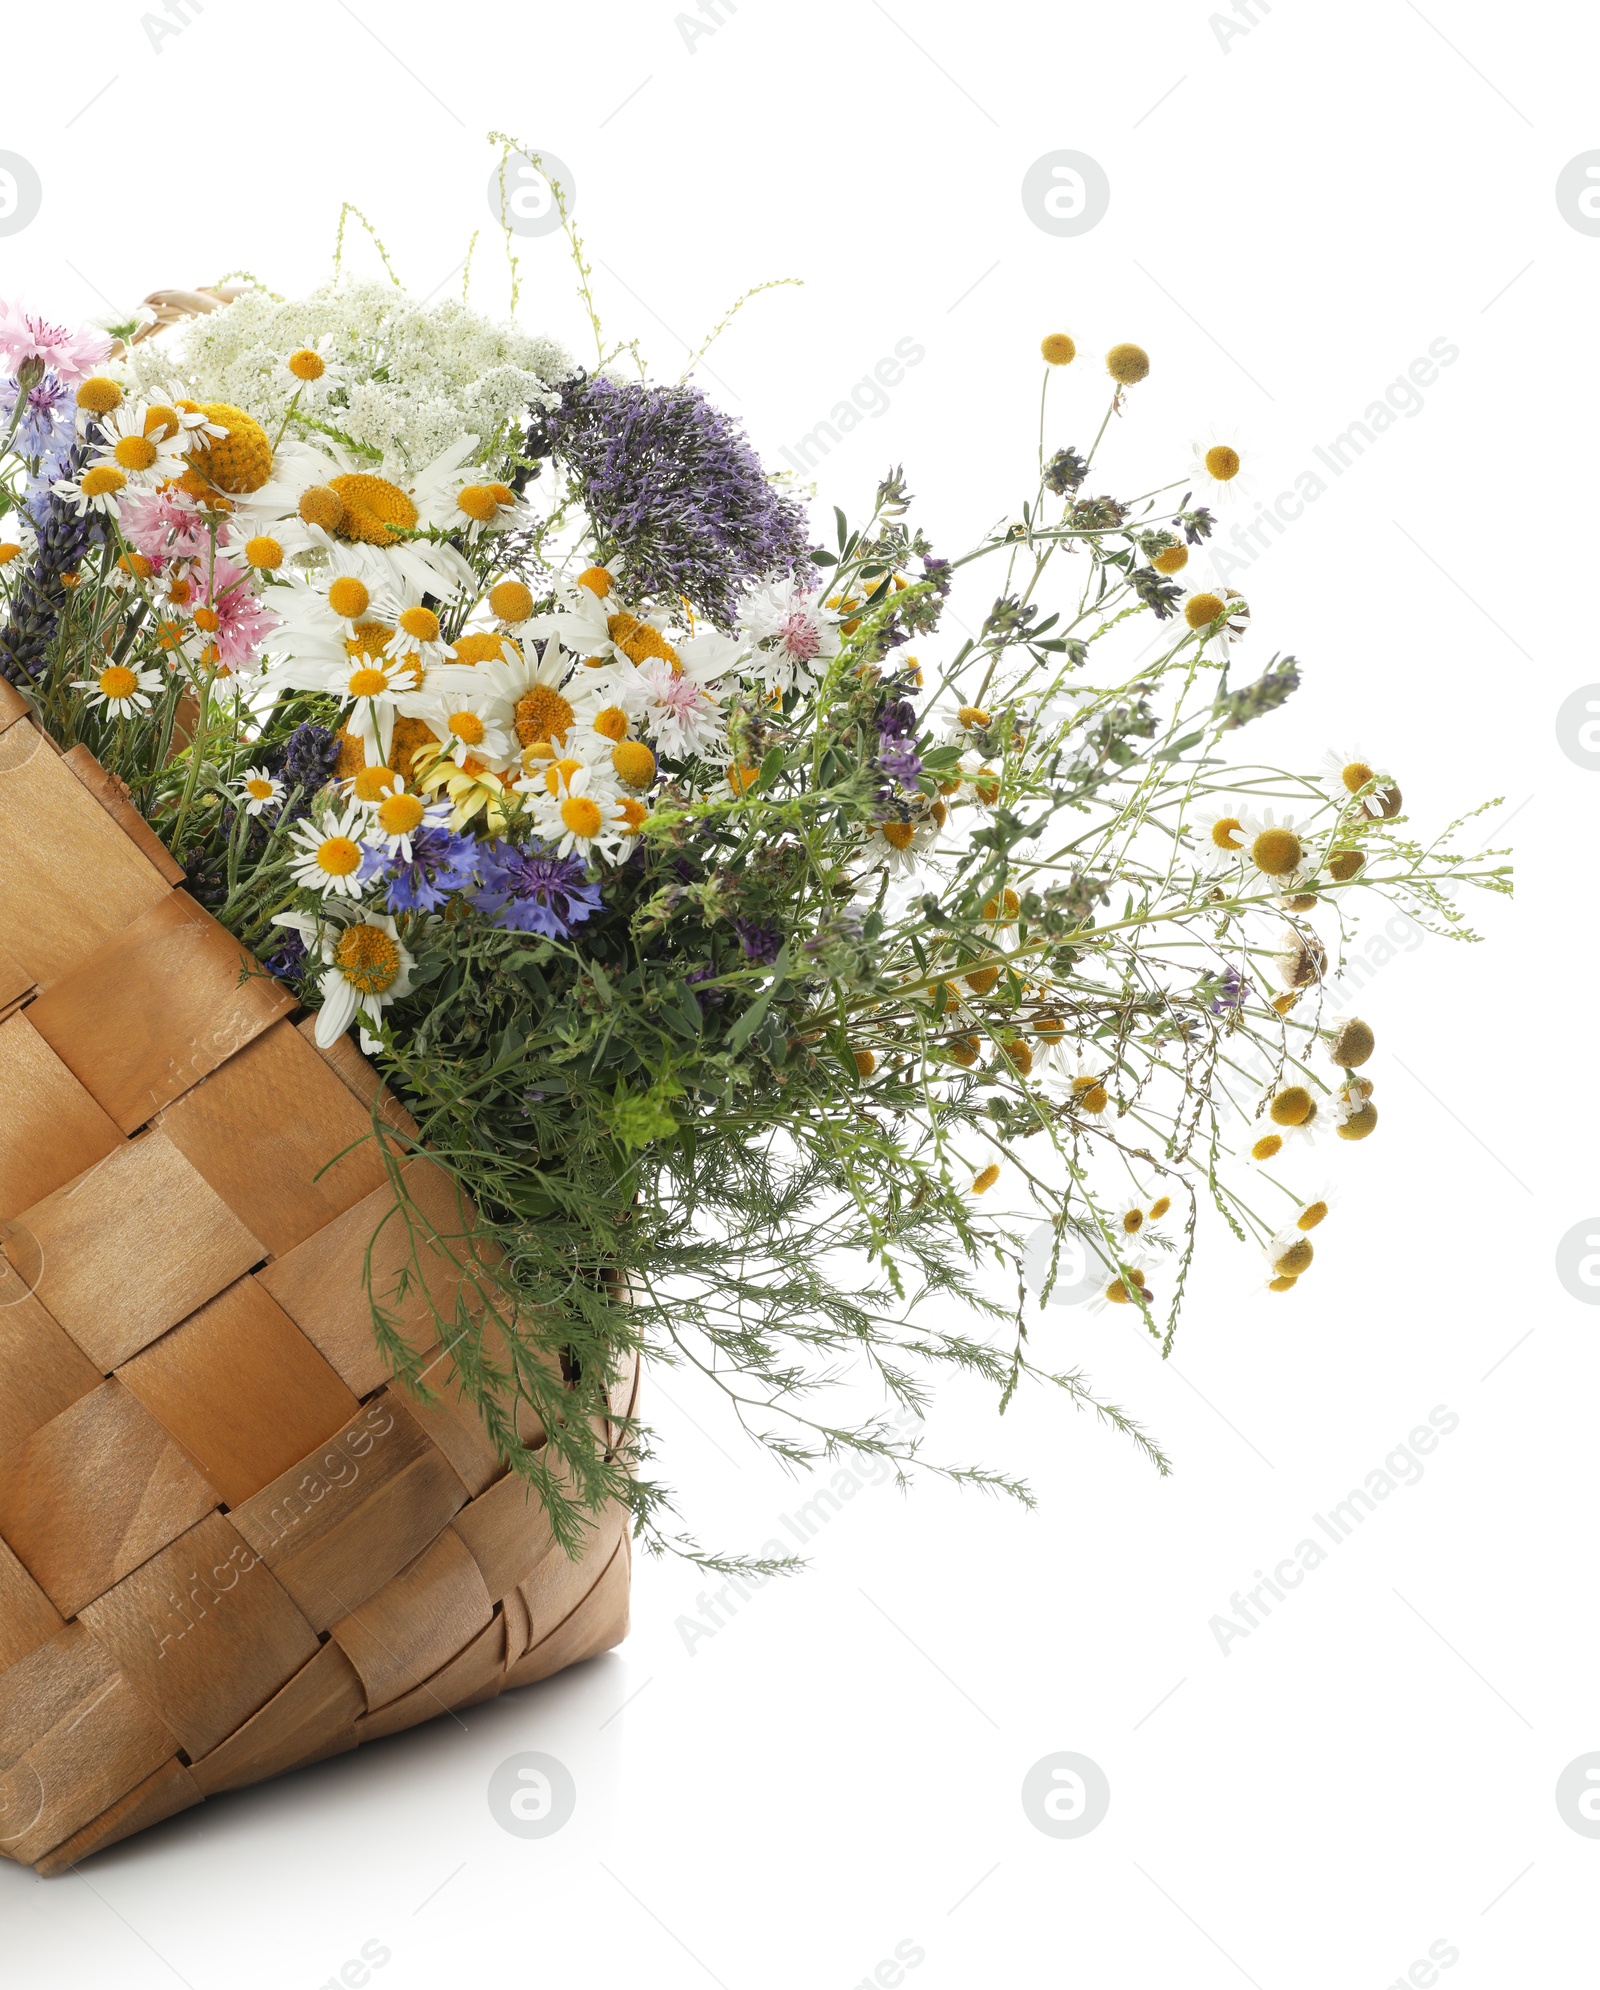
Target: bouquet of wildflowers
767, 966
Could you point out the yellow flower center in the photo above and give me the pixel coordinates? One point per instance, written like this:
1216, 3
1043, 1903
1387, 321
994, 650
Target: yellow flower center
558, 772
9, 550
207, 619
1172, 561
371, 784
1225, 833
1201, 610
1222, 462
1282, 1284
368, 683
1359, 1124
510, 601
1133, 1221
866, 1063
1311, 1216
306, 364
597, 580
1266, 1147
117, 681
133, 452
1292, 1107
982, 979
1159, 1207
131, 563
974, 717
161, 423
400, 814
1090, 1094
634, 813
1295, 1259
338, 856
98, 396
581, 815
486, 648
102, 480
612, 723
348, 597
1356, 776
742, 779
240, 459
321, 505
372, 511
638, 640
1051, 1028
992, 908
1127, 364
986, 1180
1058, 349
899, 835
542, 713
420, 623
479, 502
634, 763
258, 790
467, 727
368, 958
1345, 864
1277, 852
263, 552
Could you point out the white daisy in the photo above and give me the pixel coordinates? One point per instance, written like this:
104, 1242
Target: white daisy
99, 489
576, 808
1218, 465
316, 369
1275, 847
794, 634
396, 816
489, 508
120, 689
136, 439
329, 855
1356, 776
418, 636
366, 966
983, 779
261, 789
474, 722
1222, 833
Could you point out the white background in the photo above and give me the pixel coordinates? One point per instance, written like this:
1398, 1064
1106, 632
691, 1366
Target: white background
1294, 217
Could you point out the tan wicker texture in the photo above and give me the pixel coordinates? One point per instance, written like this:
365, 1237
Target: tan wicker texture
229, 1545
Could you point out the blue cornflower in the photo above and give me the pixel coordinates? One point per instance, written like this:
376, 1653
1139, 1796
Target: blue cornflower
442, 862
529, 889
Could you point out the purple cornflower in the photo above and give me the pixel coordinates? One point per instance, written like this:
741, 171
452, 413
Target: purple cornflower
759, 943
48, 411
529, 889
441, 863
672, 482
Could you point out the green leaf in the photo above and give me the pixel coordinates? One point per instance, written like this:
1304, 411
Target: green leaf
771, 767
753, 1017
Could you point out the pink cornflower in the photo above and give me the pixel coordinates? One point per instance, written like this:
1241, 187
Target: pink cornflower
167, 525
244, 622
71, 356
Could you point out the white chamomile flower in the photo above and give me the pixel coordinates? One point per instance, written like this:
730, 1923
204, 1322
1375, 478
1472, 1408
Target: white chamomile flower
99, 489
1351, 1111
795, 635
489, 508
1274, 847
1126, 1284
120, 688
393, 534
1317, 1208
1222, 833
906, 843
366, 966
1054, 1050
1292, 1111
1289, 1255
577, 809
328, 853
396, 816
1218, 467
475, 724
964, 724
983, 779
316, 369
418, 638
261, 790
137, 439
1090, 1099
19, 546
1355, 771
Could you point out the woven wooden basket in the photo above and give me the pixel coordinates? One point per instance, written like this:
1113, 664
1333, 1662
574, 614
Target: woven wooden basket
229, 1545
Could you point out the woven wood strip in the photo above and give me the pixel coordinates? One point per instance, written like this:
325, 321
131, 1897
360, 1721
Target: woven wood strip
230, 1546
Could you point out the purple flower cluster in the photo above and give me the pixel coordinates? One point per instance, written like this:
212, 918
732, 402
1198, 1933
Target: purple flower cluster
759, 943
672, 483
310, 756
441, 863
64, 539
898, 758
1232, 992
44, 425
530, 889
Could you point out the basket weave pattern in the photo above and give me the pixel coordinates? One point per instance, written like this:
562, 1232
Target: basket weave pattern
229, 1545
